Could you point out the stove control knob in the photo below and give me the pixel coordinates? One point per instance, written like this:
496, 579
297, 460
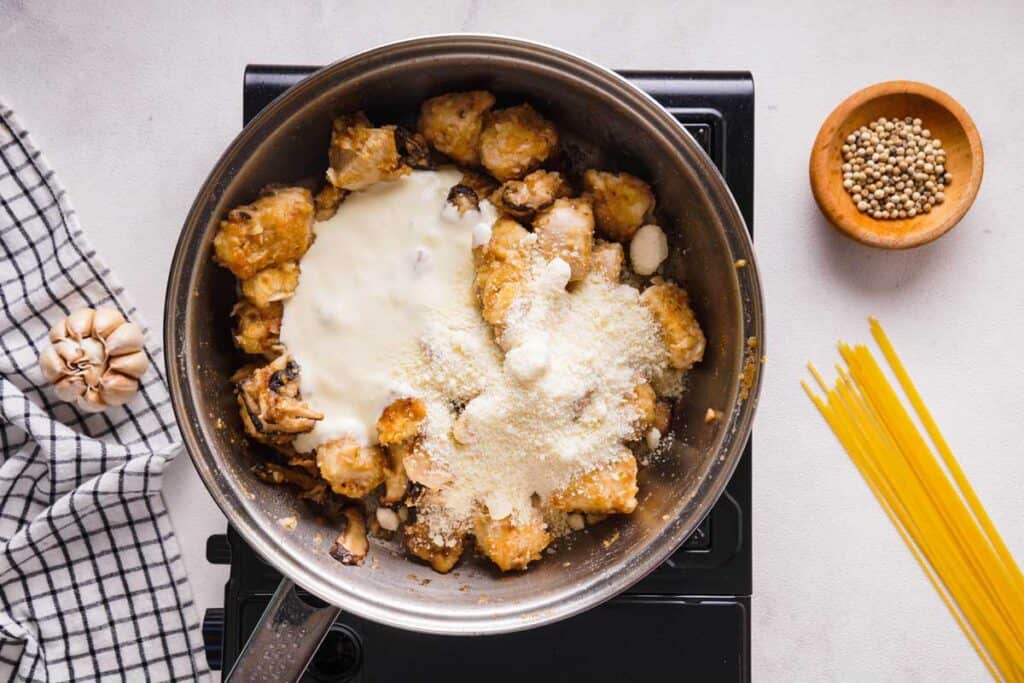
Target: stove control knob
218, 550
213, 637
339, 657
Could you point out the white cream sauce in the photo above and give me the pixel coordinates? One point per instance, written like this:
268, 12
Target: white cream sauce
390, 260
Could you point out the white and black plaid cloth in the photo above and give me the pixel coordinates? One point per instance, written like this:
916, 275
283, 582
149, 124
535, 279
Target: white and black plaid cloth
92, 585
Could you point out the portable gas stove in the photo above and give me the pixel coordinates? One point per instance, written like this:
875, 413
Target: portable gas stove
690, 617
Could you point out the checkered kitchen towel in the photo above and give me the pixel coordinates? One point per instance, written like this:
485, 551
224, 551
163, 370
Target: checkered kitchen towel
92, 585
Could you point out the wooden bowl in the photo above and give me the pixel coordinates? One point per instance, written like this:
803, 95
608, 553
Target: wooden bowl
948, 122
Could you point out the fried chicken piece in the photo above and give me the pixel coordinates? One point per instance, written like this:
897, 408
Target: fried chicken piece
276, 228
608, 489
621, 202
501, 269
272, 410
258, 328
421, 468
679, 328
607, 259
275, 283
515, 141
351, 470
441, 552
524, 198
481, 183
565, 230
452, 123
508, 545
401, 421
327, 201
415, 150
361, 155
644, 402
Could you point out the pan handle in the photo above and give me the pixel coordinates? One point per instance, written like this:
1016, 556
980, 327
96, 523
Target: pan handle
285, 639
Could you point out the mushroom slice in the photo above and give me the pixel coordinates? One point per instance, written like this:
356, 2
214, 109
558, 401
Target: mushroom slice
607, 489
621, 203
258, 329
352, 544
272, 473
396, 481
361, 155
515, 141
452, 123
440, 551
565, 230
463, 198
481, 183
509, 545
606, 260
275, 283
680, 330
271, 408
523, 198
352, 470
415, 150
277, 227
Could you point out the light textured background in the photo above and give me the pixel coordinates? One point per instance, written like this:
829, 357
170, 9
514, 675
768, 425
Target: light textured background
133, 103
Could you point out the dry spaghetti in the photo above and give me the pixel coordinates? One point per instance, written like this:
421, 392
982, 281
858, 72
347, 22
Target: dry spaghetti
925, 493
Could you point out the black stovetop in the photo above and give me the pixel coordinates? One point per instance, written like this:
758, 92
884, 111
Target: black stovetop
689, 618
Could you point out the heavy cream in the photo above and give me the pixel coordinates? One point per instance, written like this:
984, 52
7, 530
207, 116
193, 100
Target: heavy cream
389, 264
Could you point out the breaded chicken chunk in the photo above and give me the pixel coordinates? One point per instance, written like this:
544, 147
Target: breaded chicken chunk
452, 123
272, 410
679, 328
607, 259
650, 412
275, 283
508, 545
327, 201
396, 481
258, 328
276, 228
440, 552
565, 230
524, 198
515, 141
608, 489
351, 470
621, 202
401, 420
501, 269
361, 155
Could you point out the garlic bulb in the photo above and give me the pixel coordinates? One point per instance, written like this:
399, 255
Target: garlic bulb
95, 359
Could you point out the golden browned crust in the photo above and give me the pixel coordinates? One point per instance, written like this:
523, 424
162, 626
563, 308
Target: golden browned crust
361, 155
565, 230
508, 545
350, 469
524, 198
621, 203
515, 141
606, 260
501, 268
452, 123
276, 228
272, 284
401, 420
327, 201
679, 328
606, 490
258, 328
421, 543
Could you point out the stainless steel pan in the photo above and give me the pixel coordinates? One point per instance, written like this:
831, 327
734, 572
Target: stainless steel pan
613, 125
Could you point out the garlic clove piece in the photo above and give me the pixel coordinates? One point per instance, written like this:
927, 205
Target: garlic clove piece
92, 374
69, 388
51, 364
117, 389
107, 320
94, 351
69, 351
59, 330
91, 401
79, 323
125, 339
132, 364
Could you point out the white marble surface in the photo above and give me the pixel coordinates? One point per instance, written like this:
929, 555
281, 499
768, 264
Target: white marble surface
133, 103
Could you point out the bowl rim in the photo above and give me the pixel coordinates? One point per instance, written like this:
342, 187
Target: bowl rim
592, 590
822, 178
